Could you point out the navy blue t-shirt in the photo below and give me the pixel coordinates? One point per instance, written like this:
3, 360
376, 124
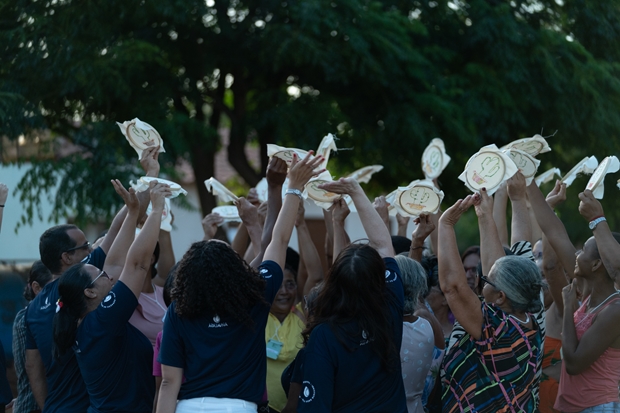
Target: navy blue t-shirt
115, 358
66, 391
221, 357
337, 379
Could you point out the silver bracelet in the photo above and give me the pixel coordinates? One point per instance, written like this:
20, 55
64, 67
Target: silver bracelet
294, 192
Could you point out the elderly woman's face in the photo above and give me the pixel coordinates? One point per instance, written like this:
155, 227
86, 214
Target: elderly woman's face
489, 292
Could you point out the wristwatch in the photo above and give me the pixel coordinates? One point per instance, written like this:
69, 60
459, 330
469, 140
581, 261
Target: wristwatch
595, 222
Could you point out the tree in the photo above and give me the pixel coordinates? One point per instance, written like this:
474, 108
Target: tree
386, 76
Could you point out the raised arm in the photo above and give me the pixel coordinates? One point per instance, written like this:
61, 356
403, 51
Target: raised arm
463, 302
276, 175
491, 248
340, 212
425, 226
139, 255
329, 237
554, 274
166, 257
381, 206
115, 260
521, 227
150, 164
579, 354
403, 223
608, 248
299, 175
551, 225
308, 254
500, 203
249, 218
373, 224
209, 225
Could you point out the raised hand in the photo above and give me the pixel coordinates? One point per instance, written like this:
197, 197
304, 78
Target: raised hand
129, 197
484, 204
302, 170
557, 194
210, 223
425, 227
262, 213
159, 193
516, 187
381, 206
149, 161
452, 215
402, 221
276, 171
247, 212
340, 210
589, 207
342, 186
569, 295
253, 197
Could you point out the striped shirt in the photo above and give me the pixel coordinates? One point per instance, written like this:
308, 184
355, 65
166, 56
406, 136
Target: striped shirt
496, 373
522, 249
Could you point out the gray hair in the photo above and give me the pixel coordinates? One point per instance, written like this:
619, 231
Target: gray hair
519, 278
414, 282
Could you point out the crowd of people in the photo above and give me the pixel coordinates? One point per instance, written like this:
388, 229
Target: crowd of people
398, 323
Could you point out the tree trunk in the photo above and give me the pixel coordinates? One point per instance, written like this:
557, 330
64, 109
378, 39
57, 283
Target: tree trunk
238, 135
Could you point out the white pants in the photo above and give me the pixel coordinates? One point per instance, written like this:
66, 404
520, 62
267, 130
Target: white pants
215, 405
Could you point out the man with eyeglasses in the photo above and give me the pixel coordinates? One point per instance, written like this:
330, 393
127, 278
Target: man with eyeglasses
57, 384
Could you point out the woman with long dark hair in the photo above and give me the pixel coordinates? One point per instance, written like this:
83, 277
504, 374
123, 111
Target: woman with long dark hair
214, 329
354, 335
92, 317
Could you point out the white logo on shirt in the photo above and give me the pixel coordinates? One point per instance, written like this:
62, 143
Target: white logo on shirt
390, 276
265, 273
47, 304
308, 393
109, 301
216, 322
365, 338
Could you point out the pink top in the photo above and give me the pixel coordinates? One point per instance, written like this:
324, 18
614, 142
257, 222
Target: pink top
596, 385
157, 364
148, 316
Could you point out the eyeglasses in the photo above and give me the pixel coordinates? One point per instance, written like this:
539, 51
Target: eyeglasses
486, 280
79, 247
101, 274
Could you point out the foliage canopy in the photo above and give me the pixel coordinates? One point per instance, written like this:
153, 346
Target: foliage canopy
385, 76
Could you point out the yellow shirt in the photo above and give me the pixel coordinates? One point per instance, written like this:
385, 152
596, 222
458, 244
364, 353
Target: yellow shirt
289, 334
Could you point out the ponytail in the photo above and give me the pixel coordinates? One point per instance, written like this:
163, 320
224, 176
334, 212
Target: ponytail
71, 306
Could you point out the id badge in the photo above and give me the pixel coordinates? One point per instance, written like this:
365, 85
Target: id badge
273, 349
